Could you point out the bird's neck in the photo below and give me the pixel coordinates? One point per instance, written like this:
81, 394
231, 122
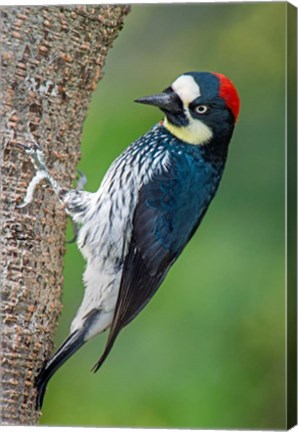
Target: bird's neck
214, 150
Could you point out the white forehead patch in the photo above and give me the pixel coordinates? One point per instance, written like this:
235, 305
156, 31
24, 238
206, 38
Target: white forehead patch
186, 88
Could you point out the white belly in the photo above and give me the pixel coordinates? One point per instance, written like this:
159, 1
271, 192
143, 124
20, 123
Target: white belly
101, 294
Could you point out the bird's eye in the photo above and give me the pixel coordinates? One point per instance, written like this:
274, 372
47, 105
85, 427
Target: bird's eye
201, 109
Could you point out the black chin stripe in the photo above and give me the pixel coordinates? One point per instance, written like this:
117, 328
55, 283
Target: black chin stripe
177, 118
176, 115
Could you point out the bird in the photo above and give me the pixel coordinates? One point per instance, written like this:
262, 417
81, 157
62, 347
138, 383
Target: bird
147, 208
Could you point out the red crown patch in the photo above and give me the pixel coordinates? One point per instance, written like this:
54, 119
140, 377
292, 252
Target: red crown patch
228, 92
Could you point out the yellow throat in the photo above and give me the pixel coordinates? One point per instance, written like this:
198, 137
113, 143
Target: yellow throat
196, 132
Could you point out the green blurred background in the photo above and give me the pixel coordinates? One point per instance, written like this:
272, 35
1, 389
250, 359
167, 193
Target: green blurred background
208, 350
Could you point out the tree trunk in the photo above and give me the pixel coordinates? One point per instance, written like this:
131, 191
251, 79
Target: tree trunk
52, 58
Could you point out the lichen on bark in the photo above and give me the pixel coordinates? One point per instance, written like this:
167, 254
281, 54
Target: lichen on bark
51, 61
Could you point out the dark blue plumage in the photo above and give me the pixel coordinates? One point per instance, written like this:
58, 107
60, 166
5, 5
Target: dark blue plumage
174, 201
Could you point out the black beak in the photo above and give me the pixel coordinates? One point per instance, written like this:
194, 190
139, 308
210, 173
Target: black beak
166, 101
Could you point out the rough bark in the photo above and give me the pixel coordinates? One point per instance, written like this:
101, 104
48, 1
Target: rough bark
52, 58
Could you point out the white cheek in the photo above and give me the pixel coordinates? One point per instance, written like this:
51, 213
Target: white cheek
186, 88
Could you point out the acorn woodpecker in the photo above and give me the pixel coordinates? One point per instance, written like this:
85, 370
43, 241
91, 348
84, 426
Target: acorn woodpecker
149, 204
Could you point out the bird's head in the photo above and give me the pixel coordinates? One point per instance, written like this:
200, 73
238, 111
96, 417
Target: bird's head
199, 107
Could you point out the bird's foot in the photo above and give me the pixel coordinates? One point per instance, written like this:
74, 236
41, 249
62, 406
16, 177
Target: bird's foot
36, 155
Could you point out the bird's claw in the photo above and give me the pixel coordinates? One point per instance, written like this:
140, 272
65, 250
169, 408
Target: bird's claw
33, 147
36, 155
23, 146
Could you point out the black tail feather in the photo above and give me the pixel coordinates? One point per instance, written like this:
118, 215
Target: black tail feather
67, 349
109, 345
